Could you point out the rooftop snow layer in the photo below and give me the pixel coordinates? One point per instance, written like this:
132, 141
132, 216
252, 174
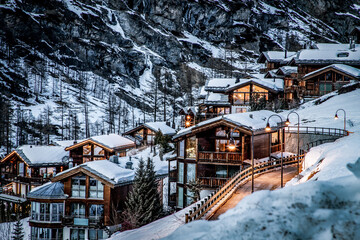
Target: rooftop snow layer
251, 120
165, 129
34, 154
276, 84
112, 140
217, 97
329, 55
335, 46
219, 83
355, 72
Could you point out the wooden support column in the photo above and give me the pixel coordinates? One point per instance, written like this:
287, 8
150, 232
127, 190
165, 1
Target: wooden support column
242, 147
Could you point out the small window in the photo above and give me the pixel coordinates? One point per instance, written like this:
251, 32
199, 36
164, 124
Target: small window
191, 172
343, 54
78, 210
181, 173
78, 186
191, 147
87, 149
181, 148
95, 234
96, 189
77, 234
180, 202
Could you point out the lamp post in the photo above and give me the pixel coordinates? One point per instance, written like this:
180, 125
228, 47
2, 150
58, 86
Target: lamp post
336, 117
298, 137
268, 128
252, 161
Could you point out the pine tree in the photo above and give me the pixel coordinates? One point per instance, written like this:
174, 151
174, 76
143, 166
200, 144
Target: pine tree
194, 187
18, 233
143, 203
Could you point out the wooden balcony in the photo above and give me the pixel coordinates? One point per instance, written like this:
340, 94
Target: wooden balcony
225, 158
212, 181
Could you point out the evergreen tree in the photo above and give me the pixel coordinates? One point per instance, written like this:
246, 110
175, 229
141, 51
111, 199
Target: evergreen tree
18, 233
143, 203
163, 141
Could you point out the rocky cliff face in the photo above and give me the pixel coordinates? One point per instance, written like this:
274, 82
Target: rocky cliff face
102, 49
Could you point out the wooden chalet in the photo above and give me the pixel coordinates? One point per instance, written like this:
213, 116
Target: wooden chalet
189, 116
145, 133
328, 79
275, 59
204, 151
227, 96
99, 148
27, 167
82, 202
309, 60
291, 84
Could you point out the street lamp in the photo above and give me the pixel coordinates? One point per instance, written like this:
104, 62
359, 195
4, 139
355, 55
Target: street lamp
232, 144
336, 117
298, 137
268, 128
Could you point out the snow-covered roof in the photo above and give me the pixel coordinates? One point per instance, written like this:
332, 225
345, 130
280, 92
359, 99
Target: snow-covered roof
50, 190
162, 126
250, 120
190, 109
334, 46
354, 72
109, 171
275, 84
275, 56
271, 74
67, 143
218, 83
286, 70
110, 141
35, 155
330, 55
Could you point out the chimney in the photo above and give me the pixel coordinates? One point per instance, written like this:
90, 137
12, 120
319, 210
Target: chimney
285, 53
251, 116
168, 123
352, 44
75, 142
237, 80
30, 146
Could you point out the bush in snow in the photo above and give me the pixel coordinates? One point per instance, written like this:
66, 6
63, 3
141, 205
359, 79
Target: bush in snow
18, 233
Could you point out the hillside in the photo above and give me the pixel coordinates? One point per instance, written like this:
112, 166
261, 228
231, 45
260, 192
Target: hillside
85, 67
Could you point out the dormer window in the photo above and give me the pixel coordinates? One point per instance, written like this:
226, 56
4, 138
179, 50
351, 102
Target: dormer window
343, 54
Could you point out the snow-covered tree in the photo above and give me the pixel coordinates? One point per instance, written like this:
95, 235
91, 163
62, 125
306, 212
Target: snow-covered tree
18, 233
195, 188
143, 204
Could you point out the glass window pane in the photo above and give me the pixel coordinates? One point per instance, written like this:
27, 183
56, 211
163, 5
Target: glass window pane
191, 147
190, 174
181, 172
180, 197
181, 148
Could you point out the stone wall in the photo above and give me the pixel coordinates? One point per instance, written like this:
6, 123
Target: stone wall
291, 140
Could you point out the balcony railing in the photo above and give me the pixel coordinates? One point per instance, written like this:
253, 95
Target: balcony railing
9, 177
220, 157
212, 181
91, 221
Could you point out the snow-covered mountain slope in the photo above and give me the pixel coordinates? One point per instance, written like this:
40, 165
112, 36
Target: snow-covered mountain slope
323, 204
60, 54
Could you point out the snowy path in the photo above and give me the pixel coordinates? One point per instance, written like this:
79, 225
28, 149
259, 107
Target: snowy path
267, 181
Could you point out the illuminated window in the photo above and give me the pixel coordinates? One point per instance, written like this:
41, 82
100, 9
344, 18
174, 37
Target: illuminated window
87, 149
191, 147
98, 151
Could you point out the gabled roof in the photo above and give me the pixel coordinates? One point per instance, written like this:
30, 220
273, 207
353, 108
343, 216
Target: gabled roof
109, 142
275, 56
341, 68
50, 190
355, 30
107, 172
286, 70
248, 121
331, 55
34, 155
189, 110
273, 85
154, 126
272, 74
218, 84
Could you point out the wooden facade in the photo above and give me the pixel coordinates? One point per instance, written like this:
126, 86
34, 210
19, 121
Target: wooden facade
204, 154
90, 150
142, 134
18, 177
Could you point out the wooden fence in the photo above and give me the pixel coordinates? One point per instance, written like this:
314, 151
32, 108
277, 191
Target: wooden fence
225, 191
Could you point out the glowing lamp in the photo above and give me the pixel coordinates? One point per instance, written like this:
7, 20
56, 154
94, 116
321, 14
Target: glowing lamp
336, 116
268, 128
232, 145
188, 117
187, 124
287, 122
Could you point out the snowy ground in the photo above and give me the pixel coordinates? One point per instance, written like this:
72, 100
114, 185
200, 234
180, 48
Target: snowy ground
323, 204
7, 228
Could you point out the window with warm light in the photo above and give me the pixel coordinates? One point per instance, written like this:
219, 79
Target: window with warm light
191, 147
